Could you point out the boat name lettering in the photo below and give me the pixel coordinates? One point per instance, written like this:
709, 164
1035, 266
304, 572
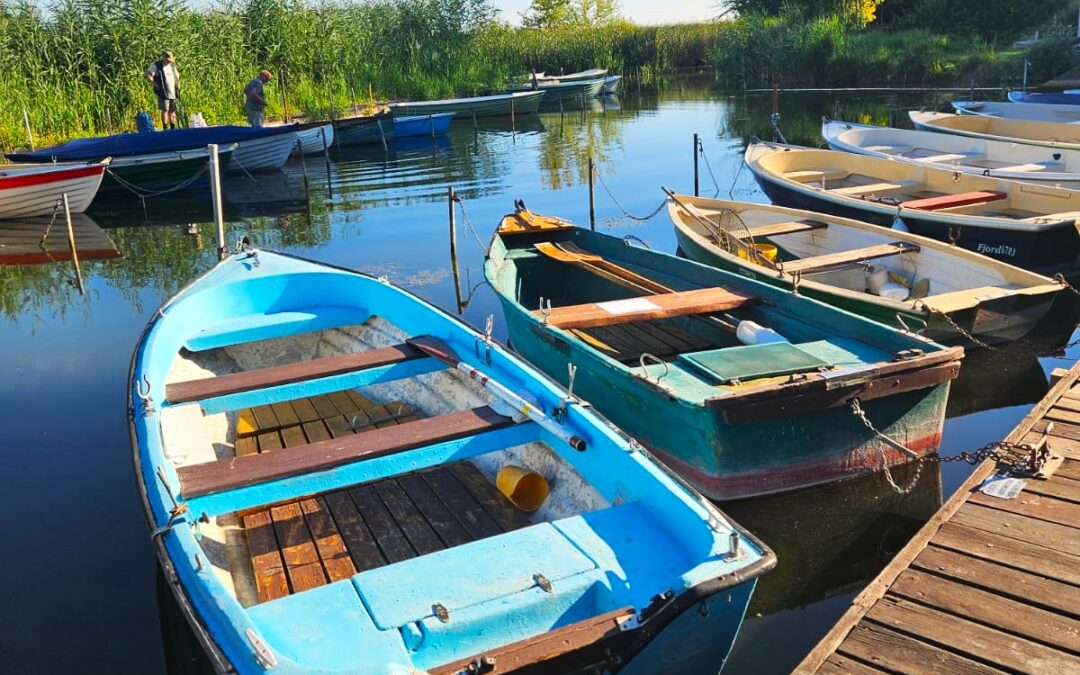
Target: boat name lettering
1000, 249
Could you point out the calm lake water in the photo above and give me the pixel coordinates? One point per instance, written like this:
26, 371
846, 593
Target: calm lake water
81, 591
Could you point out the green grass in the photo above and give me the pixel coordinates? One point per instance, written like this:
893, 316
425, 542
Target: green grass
77, 68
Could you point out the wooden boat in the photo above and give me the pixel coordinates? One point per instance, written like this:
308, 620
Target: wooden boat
661, 346
1059, 98
370, 125
1025, 132
611, 84
257, 149
570, 89
316, 448
1019, 111
517, 103
37, 190
34, 241
1027, 225
999, 159
591, 74
919, 282
422, 125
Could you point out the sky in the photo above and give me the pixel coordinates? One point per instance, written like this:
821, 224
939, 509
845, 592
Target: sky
638, 11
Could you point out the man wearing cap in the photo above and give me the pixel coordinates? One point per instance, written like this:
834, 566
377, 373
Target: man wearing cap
166, 80
255, 98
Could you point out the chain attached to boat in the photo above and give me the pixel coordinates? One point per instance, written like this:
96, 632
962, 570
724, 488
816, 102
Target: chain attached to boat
1060, 278
143, 194
708, 167
1022, 459
622, 208
967, 335
468, 222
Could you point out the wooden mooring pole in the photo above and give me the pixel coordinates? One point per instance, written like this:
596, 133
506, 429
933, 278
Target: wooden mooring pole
696, 143
326, 155
451, 198
592, 193
26, 123
71, 245
215, 196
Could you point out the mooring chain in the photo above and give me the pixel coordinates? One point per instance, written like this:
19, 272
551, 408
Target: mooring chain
1018, 458
622, 208
1060, 278
48, 228
957, 327
468, 223
143, 194
708, 167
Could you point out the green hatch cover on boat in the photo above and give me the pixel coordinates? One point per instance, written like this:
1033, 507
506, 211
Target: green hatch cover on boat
749, 362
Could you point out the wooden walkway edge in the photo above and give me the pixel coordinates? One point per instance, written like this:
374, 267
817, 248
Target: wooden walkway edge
987, 585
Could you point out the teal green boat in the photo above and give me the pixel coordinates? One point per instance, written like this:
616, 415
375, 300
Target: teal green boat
742, 388
496, 105
162, 171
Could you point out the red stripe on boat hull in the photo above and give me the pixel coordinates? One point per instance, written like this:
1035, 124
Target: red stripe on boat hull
11, 182
795, 475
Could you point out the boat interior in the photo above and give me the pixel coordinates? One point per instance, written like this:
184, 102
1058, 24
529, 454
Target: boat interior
691, 330
894, 184
1037, 130
844, 255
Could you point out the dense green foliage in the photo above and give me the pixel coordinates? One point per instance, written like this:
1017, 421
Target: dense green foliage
77, 67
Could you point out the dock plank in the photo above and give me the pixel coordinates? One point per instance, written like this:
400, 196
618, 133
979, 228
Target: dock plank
842, 665
990, 581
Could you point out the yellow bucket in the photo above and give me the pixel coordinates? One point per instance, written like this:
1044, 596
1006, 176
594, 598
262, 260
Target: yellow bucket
525, 489
767, 251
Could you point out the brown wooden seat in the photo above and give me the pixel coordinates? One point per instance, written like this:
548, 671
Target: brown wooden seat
777, 229
227, 474
819, 263
649, 307
955, 200
261, 378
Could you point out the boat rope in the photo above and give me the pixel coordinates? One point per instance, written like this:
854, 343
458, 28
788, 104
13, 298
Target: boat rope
143, 193
622, 208
955, 326
1060, 278
708, 167
236, 160
469, 223
176, 516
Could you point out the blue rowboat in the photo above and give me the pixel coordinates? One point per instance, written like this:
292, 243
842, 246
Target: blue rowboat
740, 387
316, 450
257, 149
1059, 98
422, 125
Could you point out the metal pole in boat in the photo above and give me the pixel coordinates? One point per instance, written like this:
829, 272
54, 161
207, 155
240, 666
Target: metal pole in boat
592, 194
696, 144
71, 245
451, 198
26, 123
215, 196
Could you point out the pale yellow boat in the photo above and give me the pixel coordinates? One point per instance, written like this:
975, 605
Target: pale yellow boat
1023, 132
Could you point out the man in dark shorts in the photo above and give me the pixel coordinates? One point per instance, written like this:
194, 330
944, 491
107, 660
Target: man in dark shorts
166, 80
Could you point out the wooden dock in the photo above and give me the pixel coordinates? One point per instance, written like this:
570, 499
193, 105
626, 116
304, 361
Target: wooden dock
988, 585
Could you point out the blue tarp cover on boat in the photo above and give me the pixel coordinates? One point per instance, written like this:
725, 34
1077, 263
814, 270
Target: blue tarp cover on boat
125, 145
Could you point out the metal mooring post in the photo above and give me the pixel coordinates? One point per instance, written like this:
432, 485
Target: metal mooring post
592, 194
215, 196
697, 142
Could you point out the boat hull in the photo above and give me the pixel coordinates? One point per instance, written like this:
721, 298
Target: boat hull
524, 103
316, 139
422, 125
363, 130
574, 89
39, 193
993, 321
263, 154
1048, 251
143, 178
611, 84
714, 456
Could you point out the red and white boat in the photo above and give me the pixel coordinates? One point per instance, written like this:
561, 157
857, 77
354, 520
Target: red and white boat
27, 191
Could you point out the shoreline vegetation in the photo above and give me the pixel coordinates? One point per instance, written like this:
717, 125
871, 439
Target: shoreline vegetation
76, 67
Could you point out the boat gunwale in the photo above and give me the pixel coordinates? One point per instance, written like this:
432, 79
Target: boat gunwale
468, 99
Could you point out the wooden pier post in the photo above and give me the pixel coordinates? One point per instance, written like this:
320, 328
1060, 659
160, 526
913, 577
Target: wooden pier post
215, 196
696, 144
326, 155
592, 193
303, 165
451, 198
71, 245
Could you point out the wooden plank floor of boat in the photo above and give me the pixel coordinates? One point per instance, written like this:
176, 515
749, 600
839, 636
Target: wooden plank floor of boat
988, 585
628, 341
328, 537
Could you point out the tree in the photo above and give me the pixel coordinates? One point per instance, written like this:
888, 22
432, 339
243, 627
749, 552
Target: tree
560, 13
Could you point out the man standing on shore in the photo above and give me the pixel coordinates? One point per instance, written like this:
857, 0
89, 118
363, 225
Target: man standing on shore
255, 98
166, 80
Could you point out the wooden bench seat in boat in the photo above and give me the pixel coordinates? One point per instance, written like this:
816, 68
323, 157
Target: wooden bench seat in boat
820, 263
211, 477
777, 229
814, 176
261, 378
650, 307
954, 200
872, 189
940, 159
1023, 167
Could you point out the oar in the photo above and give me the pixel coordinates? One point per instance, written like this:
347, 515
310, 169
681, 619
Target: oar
438, 349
